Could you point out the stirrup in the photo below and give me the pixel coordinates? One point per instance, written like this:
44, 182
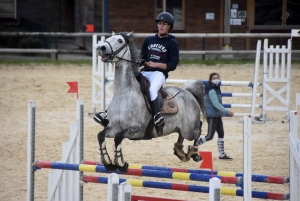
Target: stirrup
99, 117
103, 114
159, 120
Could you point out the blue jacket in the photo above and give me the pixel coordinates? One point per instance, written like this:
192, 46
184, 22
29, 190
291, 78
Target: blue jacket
213, 101
162, 50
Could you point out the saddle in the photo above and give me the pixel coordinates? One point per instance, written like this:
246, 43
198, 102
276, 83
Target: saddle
169, 105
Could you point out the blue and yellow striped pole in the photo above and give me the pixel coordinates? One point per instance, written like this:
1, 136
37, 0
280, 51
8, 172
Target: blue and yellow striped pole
255, 177
185, 187
137, 172
153, 184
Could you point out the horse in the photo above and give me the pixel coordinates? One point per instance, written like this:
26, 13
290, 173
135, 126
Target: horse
127, 112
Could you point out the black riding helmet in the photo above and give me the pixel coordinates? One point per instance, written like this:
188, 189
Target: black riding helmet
166, 17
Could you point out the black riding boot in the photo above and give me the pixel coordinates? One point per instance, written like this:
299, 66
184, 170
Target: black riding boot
159, 120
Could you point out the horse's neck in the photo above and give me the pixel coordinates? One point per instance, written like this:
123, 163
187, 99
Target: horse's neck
125, 80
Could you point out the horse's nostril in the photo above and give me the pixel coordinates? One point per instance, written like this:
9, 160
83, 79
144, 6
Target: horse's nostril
103, 48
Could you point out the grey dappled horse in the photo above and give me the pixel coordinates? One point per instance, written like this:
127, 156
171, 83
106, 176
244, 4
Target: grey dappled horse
128, 116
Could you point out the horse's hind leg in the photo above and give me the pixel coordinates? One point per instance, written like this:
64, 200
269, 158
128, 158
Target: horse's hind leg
178, 149
193, 150
105, 159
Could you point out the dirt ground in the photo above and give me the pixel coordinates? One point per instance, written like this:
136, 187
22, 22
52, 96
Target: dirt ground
55, 110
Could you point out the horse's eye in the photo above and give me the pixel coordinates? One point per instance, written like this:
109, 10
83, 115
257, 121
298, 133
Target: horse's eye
120, 40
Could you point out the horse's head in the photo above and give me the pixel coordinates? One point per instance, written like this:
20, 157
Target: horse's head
114, 48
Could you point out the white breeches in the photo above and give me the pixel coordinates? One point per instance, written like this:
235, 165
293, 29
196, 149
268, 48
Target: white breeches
156, 79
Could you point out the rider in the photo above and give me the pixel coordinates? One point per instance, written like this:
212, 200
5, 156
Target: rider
161, 55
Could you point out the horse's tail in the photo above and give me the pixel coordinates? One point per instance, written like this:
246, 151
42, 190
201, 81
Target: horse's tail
197, 88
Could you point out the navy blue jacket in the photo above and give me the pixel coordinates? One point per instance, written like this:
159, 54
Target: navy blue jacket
161, 50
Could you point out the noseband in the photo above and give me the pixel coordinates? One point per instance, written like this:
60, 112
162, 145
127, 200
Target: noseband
114, 53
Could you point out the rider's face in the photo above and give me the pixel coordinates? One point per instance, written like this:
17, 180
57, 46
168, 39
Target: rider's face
163, 28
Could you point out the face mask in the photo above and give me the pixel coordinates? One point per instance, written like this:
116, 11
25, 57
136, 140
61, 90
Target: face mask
216, 81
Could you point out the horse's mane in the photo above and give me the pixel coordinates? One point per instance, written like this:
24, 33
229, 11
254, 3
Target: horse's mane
135, 53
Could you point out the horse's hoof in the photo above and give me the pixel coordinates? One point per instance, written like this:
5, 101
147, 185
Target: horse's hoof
197, 157
124, 169
183, 157
110, 168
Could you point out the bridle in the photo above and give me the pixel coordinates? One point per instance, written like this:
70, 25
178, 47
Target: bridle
114, 53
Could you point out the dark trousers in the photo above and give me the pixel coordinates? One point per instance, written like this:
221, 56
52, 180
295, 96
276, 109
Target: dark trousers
214, 124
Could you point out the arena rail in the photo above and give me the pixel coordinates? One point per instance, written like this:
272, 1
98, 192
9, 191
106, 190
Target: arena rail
57, 35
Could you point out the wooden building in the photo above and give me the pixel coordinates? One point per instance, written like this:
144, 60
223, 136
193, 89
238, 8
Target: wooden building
191, 16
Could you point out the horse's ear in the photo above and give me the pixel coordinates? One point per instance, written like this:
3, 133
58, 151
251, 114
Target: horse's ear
113, 33
129, 34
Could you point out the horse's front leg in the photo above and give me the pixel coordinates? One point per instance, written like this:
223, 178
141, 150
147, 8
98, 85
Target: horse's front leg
105, 159
119, 159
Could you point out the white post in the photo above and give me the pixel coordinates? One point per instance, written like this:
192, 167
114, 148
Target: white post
297, 101
94, 66
124, 191
30, 150
294, 157
288, 72
247, 159
265, 64
112, 187
255, 79
214, 189
103, 77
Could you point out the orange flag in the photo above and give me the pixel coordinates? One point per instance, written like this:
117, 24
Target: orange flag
73, 87
206, 160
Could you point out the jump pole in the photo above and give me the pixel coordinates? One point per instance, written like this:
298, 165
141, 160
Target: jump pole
154, 184
185, 187
138, 172
255, 177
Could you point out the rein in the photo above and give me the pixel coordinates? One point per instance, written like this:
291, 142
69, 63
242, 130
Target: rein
174, 95
121, 58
